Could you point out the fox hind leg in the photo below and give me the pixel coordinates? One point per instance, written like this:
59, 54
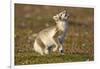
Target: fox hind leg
38, 48
48, 50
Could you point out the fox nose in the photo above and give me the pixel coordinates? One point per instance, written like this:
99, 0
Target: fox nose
65, 15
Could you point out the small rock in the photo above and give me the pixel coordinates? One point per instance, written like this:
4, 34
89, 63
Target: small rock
27, 15
83, 44
87, 60
76, 34
47, 25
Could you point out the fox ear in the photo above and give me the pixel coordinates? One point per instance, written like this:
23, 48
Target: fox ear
55, 18
64, 11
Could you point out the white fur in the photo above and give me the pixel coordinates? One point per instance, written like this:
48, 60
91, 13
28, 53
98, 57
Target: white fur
47, 35
37, 48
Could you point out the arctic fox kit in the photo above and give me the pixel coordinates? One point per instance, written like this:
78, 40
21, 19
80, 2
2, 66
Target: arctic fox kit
52, 38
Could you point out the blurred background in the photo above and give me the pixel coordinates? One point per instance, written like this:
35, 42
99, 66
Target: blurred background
30, 19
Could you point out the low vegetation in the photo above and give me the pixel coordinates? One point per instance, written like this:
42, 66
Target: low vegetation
79, 43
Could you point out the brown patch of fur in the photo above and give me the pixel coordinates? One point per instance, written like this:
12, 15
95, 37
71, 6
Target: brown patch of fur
40, 42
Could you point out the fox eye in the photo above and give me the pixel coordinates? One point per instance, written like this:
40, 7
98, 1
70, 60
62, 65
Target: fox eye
65, 15
61, 14
60, 18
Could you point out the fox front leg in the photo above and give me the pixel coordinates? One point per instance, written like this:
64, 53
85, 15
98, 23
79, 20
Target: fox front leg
60, 42
61, 49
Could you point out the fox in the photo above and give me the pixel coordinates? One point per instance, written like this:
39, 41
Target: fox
52, 38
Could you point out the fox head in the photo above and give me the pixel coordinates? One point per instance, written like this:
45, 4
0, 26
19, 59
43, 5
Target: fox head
61, 20
62, 16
